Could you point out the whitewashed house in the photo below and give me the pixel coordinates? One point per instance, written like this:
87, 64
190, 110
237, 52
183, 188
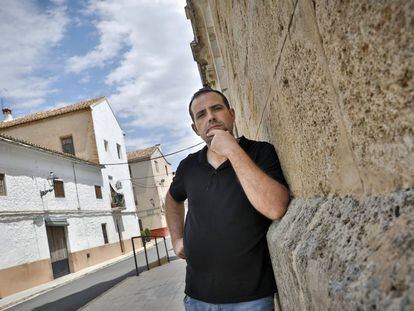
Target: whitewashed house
151, 177
87, 132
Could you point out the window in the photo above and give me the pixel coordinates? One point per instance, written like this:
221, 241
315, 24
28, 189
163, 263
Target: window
118, 149
59, 189
98, 192
67, 145
2, 184
105, 234
156, 166
166, 170
135, 195
106, 145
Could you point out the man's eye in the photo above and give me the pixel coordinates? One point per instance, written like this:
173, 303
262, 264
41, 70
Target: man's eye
217, 108
200, 115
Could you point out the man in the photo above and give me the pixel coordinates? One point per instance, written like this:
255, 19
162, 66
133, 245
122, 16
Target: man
235, 188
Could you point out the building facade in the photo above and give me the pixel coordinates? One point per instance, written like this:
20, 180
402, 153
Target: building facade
87, 132
50, 234
151, 176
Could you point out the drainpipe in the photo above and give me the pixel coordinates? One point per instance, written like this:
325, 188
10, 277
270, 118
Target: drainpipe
76, 185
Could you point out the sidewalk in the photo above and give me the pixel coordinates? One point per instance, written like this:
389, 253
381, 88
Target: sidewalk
159, 289
30, 293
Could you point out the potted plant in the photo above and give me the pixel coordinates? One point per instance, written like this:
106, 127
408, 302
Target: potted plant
146, 235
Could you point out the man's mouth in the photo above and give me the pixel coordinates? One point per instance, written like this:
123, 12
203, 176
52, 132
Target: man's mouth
217, 126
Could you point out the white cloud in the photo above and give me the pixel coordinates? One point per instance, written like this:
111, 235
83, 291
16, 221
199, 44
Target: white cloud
28, 33
156, 74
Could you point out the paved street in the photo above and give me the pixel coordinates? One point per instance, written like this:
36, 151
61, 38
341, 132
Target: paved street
160, 289
79, 292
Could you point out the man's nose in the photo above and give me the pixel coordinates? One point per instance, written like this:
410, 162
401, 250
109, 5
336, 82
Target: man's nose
211, 117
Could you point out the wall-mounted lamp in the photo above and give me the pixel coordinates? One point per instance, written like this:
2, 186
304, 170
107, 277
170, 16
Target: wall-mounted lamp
51, 180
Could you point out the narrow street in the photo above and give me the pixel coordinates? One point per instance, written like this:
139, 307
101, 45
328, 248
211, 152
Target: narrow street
79, 292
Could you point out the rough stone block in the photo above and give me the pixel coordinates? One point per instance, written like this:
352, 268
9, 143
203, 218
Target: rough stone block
342, 254
370, 50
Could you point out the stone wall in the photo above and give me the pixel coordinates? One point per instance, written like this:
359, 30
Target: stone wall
331, 85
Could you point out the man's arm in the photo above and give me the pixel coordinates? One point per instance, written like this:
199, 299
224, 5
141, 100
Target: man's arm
265, 194
174, 212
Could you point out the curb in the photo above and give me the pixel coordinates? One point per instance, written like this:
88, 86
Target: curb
32, 292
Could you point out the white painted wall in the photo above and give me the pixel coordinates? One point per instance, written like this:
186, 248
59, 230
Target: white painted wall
22, 211
107, 128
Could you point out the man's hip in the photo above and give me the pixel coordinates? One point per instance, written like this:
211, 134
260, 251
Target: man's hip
262, 304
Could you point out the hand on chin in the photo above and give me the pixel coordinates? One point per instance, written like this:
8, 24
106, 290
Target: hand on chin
221, 141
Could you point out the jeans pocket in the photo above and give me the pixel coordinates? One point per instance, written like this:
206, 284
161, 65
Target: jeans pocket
186, 299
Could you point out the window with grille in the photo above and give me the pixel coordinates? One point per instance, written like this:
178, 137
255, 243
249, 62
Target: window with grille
156, 166
59, 189
106, 145
2, 184
105, 234
118, 149
67, 145
98, 192
166, 170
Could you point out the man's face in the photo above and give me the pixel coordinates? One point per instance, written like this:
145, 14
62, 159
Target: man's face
210, 113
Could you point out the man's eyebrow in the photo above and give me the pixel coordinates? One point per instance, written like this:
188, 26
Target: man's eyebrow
198, 112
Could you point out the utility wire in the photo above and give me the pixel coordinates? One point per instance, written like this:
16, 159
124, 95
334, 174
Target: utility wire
165, 155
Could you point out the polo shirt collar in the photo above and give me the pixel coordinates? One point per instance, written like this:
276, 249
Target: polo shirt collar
202, 156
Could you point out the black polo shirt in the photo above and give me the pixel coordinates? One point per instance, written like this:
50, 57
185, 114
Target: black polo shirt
224, 235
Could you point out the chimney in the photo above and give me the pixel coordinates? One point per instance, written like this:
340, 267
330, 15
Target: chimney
7, 114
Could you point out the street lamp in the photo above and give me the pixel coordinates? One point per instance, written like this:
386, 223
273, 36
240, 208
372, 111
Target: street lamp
51, 180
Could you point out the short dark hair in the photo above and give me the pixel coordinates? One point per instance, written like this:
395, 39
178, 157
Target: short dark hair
203, 91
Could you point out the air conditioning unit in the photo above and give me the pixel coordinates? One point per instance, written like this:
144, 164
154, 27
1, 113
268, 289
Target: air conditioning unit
118, 185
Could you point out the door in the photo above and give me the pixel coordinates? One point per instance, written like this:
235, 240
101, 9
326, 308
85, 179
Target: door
58, 251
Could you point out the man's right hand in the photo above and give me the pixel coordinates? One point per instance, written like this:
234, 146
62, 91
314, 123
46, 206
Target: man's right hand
178, 246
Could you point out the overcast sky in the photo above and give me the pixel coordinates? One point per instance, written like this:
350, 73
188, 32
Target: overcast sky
135, 52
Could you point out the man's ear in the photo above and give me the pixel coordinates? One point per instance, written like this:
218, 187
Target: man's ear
194, 129
233, 114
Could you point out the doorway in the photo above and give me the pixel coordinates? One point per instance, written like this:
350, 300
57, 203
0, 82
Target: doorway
58, 250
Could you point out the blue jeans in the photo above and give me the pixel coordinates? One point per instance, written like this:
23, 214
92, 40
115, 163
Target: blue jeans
262, 304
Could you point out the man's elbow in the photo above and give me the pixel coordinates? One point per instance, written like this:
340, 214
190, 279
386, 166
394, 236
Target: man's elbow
280, 209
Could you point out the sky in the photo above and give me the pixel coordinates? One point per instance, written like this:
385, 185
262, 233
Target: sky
135, 52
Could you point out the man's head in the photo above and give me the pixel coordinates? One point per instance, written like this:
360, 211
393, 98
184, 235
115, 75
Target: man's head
210, 109
203, 91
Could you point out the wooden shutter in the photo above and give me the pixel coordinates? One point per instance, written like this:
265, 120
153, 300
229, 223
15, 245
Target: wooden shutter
59, 189
98, 192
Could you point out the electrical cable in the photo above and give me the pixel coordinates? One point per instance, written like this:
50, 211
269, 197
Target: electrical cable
159, 157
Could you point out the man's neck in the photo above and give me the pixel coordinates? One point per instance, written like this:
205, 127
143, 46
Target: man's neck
215, 159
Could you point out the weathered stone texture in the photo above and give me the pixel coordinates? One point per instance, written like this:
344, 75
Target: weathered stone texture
370, 49
342, 254
329, 83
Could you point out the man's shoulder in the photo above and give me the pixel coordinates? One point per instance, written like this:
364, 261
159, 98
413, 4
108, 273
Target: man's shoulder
256, 145
191, 158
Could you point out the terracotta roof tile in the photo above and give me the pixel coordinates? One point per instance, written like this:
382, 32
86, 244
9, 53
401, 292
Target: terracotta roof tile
141, 153
18, 141
51, 113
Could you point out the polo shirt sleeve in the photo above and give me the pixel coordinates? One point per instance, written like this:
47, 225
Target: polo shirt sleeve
177, 188
268, 161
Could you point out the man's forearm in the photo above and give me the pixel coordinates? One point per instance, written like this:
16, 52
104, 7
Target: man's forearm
266, 195
174, 212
